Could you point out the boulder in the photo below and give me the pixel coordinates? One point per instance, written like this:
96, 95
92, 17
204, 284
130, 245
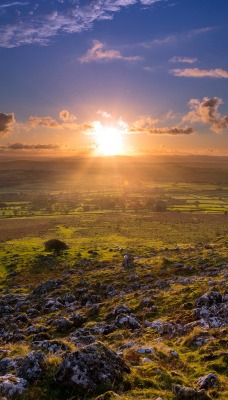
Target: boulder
207, 382
31, 367
92, 368
11, 386
188, 393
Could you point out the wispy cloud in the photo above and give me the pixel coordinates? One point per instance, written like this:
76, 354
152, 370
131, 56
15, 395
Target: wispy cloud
15, 3
177, 37
200, 73
184, 60
7, 122
206, 111
23, 146
99, 53
38, 24
173, 130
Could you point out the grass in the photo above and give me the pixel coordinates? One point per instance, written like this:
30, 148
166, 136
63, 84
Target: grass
152, 238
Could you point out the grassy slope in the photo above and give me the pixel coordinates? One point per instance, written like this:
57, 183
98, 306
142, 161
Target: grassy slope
151, 237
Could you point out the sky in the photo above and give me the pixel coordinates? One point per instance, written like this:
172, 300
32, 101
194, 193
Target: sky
106, 77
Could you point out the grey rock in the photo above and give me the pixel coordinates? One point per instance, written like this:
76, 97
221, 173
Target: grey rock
91, 367
11, 386
31, 367
188, 393
207, 382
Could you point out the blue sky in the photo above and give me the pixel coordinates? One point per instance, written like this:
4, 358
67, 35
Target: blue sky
155, 70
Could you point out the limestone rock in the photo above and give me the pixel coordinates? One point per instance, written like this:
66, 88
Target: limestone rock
91, 367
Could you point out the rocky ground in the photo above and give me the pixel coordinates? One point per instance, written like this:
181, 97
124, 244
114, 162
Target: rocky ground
79, 328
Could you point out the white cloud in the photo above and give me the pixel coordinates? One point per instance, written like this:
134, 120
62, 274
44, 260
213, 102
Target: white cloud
186, 60
99, 53
104, 114
200, 73
36, 26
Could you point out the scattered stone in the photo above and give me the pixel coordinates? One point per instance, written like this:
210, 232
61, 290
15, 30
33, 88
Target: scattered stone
91, 368
47, 286
63, 325
207, 382
145, 350
188, 393
11, 385
31, 368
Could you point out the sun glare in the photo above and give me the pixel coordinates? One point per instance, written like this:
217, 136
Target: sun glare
109, 140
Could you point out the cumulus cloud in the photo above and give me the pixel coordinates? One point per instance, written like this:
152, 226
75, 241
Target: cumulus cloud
99, 53
7, 122
206, 111
184, 60
200, 73
37, 22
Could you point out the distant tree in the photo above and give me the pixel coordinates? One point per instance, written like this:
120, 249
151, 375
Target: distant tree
55, 245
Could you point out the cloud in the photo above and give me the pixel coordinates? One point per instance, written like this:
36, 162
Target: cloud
16, 3
175, 38
200, 73
7, 122
37, 23
47, 122
22, 146
145, 122
65, 116
179, 59
98, 53
206, 111
66, 121
173, 130
104, 114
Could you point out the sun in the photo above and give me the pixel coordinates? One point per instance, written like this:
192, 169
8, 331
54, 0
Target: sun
109, 140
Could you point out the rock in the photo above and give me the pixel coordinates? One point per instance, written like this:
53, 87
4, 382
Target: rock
188, 393
207, 382
52, 346
145, 350
77, 320
10, 385
174, 353
82, 337
91, 368
31, 367
146, 360
63, 325
208, 299
7, 365
47, 286
127, 320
